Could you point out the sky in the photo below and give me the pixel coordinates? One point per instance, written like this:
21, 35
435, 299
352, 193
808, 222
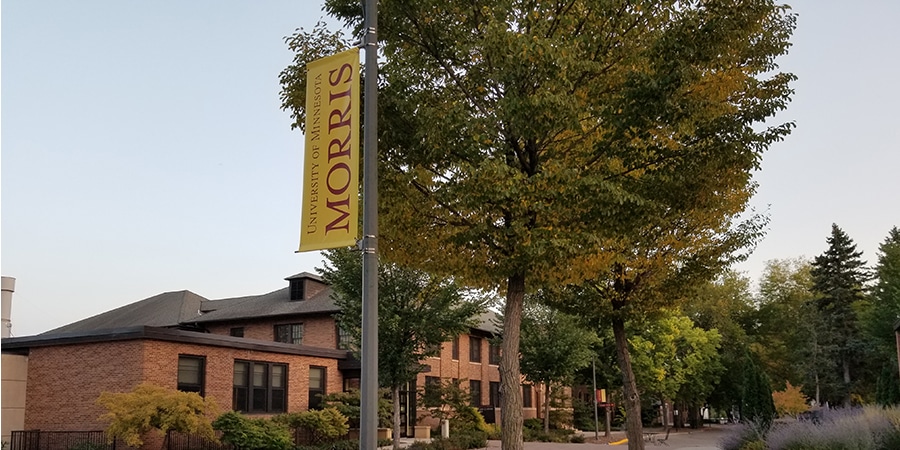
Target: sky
143, 149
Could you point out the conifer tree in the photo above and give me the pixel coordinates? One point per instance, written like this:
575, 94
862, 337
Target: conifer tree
839, 276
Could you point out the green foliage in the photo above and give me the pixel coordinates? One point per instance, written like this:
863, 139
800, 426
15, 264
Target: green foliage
347, 403
757, 405
528, 145
323, 425
839, 276
148, 407
417, 312
887, 392
672, 356
451, 402
253, 434
554, 345
883, 309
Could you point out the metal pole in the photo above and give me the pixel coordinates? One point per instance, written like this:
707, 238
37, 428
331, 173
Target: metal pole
596, 419
368, 437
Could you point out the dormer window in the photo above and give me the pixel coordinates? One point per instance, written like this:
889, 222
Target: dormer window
297, 289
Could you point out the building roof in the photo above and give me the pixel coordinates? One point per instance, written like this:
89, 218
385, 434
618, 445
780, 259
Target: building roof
275, 303
168, 309
21, 345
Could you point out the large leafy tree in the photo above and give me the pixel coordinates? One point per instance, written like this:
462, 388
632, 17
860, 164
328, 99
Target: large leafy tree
787, 327
674, 359
839, 278
554, 347
523, 140
416, 314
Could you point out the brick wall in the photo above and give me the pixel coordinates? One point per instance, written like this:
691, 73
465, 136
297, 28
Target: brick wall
318, 331
64, 382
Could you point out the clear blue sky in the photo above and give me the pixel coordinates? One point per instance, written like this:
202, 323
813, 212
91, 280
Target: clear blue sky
144, 151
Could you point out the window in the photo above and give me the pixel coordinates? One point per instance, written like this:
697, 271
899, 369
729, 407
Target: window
191, 372
526, 396
494, 354
495, 394
316, 386
296, 289
432, 396
344, 339
475, 392
351, 384
433, 350
237, 332
259, 387
455, 348
290, 333
474, 349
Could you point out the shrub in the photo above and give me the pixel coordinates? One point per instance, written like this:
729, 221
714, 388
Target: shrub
253, 434
348, 405
533, 424
790, 401
577, 439
322, 425
493, 431
148, 407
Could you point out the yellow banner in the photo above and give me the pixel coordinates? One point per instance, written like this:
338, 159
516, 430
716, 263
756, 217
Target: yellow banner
330, 215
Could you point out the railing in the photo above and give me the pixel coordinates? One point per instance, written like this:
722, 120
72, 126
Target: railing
185, 441
59, 440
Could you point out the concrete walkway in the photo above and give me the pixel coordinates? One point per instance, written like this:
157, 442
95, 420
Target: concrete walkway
701, 439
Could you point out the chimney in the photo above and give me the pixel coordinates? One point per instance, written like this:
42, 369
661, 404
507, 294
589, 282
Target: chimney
8, 286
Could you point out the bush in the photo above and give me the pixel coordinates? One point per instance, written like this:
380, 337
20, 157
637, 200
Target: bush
253, 434
493, 431
559, 436
322, 425
859, 429
149, 407
577, 439
533, 424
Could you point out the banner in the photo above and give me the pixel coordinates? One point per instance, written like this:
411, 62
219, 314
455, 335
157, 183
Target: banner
330, 216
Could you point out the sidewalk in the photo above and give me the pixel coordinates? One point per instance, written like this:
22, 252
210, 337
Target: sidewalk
706, 438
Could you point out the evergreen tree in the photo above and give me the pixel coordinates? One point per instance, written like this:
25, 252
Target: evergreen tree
887, 392
757, 405
838, 276
884, 308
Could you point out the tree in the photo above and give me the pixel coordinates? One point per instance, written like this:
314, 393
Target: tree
554, 347
757, 404
883, 309
790, 401
416, 314
674, 359
519, 139
149, 407
787, 327
726, 305
839, 277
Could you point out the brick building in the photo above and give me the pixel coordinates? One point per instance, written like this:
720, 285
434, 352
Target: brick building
262, 354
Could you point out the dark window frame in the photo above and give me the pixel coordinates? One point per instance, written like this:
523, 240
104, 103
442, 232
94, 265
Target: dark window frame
494, 393
494, 354
236, 332
288, 333
344, 339
297, 290
199, 387
527, 396
431, 393
454, 345
271, 395
475, 349
314, 401
475, 392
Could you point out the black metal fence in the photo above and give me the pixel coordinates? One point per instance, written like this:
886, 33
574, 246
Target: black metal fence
185, 441
59, 440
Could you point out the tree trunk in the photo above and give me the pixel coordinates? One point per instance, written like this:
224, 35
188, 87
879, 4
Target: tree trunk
510, 375
633, 428
547, 408
847, 381
395, 396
